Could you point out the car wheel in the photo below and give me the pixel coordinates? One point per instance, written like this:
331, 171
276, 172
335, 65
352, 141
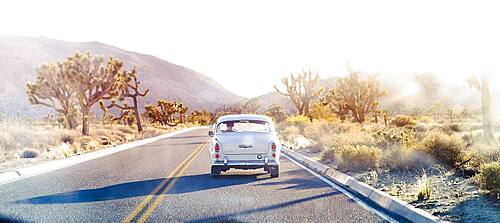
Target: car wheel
215, 171
274, 171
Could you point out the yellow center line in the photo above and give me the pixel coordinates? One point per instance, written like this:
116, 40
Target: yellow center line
150, 196
163, 194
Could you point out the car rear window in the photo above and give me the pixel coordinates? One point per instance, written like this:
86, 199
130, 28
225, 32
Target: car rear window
243, 126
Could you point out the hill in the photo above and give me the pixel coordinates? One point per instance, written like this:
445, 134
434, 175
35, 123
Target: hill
20, 56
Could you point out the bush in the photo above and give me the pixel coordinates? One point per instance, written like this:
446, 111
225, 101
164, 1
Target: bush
489, 178
86, 143
399, 158
66, 138
318, 128
403, 120
446, 149
298, 120
356, 158
328, 155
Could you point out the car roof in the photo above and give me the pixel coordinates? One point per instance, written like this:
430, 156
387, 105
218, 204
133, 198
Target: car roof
244, 117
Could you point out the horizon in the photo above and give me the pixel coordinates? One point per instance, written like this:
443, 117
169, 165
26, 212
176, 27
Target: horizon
252, 50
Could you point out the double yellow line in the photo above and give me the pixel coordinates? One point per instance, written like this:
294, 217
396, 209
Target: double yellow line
174, 175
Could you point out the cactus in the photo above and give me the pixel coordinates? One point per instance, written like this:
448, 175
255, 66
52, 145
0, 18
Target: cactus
301, 89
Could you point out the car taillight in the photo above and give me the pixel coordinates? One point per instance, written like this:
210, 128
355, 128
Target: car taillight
274, 155
273, 147
216, 156
217, 147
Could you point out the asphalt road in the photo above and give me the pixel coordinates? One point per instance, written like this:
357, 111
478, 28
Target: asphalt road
169, 181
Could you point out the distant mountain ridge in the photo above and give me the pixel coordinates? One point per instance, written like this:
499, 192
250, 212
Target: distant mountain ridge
20, 56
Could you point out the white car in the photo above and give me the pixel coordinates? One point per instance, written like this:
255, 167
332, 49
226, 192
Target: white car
244, 142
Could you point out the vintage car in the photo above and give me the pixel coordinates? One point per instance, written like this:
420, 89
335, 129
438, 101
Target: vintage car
244, 142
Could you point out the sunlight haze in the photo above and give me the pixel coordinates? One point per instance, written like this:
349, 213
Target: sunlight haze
248, 47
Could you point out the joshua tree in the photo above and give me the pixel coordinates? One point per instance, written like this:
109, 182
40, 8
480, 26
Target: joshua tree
93, 79
202, 117
52, 89
336, 103
359, 96
483, 87
182, 109
302, 89
276, 112
130, 89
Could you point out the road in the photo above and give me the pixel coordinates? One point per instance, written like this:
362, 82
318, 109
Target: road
169, 181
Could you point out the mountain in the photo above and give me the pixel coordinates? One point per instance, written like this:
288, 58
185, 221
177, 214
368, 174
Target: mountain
20, 56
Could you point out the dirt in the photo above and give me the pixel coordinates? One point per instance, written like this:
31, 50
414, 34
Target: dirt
453, 197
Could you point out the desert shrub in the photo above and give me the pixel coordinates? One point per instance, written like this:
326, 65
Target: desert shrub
125, 129
425, 119
403, 120
66, 138
395, 136
352, 139
455, 127
328, 155
317, 128
489, 178
423, 188
399, 158
355, 158
298, 120
289, 132
151, 132
419, 127
320, 143
86, 143
446, 149
29, 153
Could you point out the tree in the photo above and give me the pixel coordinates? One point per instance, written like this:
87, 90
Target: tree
483, 87
357, 95
182, 109
336, 103
130, 89
52, 89
93, 79
251, 106
302, 89
202, 117
276, 112
163, 112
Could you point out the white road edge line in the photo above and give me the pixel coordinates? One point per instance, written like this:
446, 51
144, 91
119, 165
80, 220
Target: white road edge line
351, 196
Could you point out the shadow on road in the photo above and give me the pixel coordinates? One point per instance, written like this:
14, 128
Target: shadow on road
231, 216
193, 183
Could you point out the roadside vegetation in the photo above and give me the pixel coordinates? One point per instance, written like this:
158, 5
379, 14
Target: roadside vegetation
434, 157
96, 105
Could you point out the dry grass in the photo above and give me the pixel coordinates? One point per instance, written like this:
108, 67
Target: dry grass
22, 139
423, 188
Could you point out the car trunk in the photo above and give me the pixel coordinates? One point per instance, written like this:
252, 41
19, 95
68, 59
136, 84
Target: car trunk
244, 143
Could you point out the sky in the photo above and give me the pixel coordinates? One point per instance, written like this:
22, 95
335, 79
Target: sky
248, 46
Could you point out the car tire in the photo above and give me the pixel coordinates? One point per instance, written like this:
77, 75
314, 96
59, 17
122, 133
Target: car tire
274, 171
215, 171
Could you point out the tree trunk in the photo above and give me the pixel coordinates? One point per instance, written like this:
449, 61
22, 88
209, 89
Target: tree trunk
485, 104
137, 115
85, 123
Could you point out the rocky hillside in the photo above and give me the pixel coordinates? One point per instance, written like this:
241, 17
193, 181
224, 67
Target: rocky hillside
20, 56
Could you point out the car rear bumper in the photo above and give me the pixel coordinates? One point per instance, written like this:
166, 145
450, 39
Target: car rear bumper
241, 164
